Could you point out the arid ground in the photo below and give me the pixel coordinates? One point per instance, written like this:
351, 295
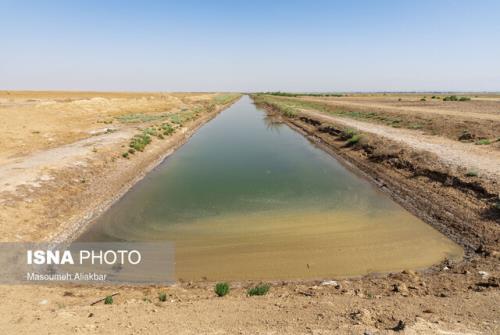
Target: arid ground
66, 156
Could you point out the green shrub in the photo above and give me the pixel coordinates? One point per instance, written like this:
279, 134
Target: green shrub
182, 117
125, 154
471, 173
108, 300
131, 151
289, 112
221, 289
167, 129
423, 99
260, 289
140, 141
455, 98
483, 141
162, 296
150, 131
353, 140
348, 134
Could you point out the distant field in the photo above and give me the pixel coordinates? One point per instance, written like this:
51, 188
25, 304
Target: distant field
474, 120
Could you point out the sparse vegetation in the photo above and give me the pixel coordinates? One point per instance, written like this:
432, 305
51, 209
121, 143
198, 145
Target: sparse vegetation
221, 289
183, 117
483, 141
162, 296
125, 154
353, 140
260, 289
415, 126
140, 117
223, 99
167, 129
455, 98
108, 300
471, 173
140, 141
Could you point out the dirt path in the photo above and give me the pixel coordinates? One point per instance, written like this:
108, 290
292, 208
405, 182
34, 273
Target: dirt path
410, 109
458, 154
29, 170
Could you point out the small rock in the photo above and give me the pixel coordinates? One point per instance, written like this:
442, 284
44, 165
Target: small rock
410, 273
91, 315
483, 274
400, 326
329, 283
43, 302
446, 268
466, 137
401, 288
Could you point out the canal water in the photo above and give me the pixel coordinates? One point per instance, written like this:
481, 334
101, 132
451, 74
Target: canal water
249, 198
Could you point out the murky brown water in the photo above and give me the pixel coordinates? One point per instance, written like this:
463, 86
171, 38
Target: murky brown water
246, 198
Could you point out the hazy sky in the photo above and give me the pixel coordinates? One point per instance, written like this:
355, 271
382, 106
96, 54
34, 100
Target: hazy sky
250, 45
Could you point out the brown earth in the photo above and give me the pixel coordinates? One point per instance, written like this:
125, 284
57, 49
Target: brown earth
61, 186
467, 121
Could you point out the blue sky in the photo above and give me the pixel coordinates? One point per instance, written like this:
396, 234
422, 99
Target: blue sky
250, 45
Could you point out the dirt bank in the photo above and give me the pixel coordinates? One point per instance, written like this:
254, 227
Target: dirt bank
51, 189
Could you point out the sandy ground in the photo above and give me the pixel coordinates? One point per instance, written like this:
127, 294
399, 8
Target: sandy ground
287, 309
475, 109
60, 166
